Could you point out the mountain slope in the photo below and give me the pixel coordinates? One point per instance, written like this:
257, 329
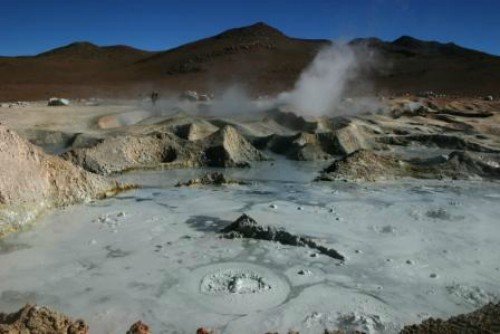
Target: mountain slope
259, 57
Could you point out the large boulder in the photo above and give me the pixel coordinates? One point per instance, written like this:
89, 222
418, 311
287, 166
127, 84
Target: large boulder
32, 180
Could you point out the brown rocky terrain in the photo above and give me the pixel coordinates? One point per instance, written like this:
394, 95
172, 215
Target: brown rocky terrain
411, 137
370, 166
32, 180
258, 57
484, 320
42, 320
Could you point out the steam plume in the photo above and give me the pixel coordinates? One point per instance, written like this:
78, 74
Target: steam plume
322, 85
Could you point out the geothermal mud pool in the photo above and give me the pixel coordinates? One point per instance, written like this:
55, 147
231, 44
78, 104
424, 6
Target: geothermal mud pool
413, 250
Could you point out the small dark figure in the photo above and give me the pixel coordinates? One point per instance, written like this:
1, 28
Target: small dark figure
154, 97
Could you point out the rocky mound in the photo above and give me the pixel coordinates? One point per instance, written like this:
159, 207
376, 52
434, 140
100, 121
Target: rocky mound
135, 151
215, 179
40, 320
139, 328
362, 165
227, 148
32, 180
122, 152
302, 146
246, 227
485, 320
338, 138
196, 130
371, 166
290, 120
32, 319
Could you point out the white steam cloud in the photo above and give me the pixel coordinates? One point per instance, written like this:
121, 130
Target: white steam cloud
322, 85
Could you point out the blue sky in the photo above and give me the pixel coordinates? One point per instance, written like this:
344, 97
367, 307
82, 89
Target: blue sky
32, 26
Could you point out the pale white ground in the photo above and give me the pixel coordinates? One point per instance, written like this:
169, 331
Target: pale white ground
414, 250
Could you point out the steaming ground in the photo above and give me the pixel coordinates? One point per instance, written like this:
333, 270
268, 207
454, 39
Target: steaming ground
414, 249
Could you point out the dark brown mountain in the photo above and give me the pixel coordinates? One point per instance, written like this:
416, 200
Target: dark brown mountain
258, 57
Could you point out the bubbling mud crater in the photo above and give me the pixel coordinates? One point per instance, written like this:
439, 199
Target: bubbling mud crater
238, 287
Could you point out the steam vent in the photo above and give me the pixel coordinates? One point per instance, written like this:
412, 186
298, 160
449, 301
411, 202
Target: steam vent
255, 179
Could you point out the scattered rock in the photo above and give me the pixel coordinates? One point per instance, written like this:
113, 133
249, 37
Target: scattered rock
57, 102
246, 227
18, 104
215, 178
304, 272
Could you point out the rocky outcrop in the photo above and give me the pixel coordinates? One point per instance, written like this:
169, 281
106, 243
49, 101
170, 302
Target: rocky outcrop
446, 141
290, 120
123, 152
349, 138
486, 320
213, 179
302, 146
136, 151
40, 320
227, 148
371, 166
32, 180
246, 227
362, 166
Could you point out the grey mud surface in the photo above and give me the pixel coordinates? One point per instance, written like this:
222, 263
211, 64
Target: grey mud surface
413, 250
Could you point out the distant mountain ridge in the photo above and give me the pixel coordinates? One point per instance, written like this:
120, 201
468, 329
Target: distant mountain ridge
258, 57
